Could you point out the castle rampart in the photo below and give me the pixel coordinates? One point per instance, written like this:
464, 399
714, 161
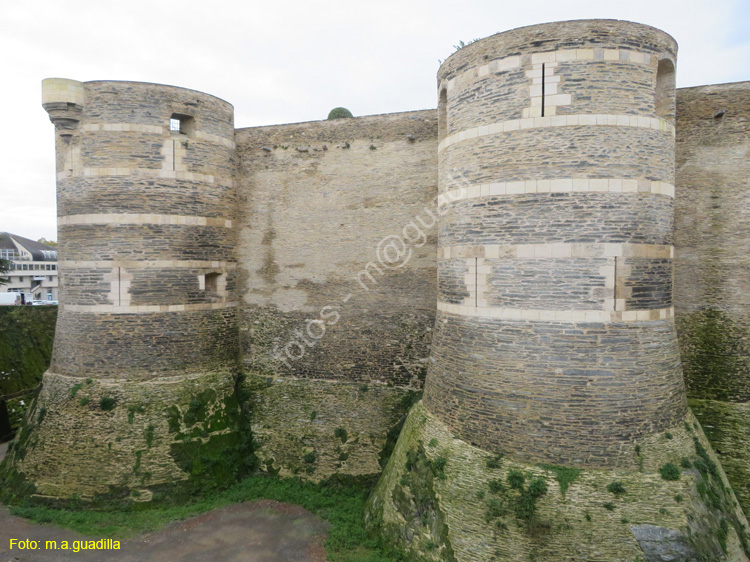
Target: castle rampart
711, 282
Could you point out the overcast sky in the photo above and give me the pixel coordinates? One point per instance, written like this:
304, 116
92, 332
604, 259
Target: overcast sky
288, 61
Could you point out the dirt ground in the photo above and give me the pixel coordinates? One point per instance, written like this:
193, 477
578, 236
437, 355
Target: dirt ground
264, 531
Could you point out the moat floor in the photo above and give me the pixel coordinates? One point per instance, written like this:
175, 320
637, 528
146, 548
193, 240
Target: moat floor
264, 531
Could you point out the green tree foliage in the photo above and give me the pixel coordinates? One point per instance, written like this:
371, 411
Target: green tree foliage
5, 267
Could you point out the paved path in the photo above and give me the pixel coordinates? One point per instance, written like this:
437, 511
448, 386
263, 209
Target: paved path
264, 531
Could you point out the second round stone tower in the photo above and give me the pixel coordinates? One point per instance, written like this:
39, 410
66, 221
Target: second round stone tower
554, 424
140, 391
554, 337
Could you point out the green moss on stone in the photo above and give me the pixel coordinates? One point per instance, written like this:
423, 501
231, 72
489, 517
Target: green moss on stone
715, 356
727, 426
212, 460
25, 346
565, 475
107, 403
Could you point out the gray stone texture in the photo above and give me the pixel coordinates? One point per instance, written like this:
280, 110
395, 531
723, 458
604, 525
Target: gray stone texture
561, 152
568, 393
548, 284
538, 218
312, 221
571, 394
132, 195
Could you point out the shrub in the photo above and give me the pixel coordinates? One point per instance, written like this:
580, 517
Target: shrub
516, 479
494, 462
340, 113
341, 433
616, 488
107, 403
669, 472
495, 486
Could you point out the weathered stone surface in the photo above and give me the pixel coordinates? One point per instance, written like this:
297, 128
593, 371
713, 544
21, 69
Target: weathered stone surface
578, 391
711, 282
313, 429
660, 544
473, 496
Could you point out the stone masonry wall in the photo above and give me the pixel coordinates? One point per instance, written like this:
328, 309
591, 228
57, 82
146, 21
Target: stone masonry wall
711, 283
330, 318
147, 327
317, 200
554, 339
713, 255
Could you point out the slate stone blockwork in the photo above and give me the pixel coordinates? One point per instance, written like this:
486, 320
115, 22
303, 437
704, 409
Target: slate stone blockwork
451, 282
572, 394
647, 283
132, 195
143, 345
538, 218
568, 393
84, 242
548, 284
561, 152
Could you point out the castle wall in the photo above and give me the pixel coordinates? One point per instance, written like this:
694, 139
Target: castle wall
555, 259
337, 260
713, 257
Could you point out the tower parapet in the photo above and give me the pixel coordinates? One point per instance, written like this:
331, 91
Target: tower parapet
63, 100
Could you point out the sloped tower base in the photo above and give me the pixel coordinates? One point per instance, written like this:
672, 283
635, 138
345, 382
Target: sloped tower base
440, 498
133, 440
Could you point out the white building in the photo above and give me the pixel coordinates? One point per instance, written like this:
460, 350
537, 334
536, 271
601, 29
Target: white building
34, 272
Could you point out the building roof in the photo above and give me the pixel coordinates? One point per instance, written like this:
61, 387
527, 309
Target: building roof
38, 251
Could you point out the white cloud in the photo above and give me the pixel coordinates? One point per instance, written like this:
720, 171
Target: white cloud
280, 62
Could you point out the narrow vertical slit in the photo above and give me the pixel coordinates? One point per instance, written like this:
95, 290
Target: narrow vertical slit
174, 155
542, 89
119, 288
476, 285
614, 288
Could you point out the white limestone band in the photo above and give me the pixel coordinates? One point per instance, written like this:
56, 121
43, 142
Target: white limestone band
123, 218
144, 309
559, 185
564, 316
586, 120
557, 250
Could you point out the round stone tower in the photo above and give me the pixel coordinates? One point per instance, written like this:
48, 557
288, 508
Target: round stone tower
554, 424
140, 387
554, 336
